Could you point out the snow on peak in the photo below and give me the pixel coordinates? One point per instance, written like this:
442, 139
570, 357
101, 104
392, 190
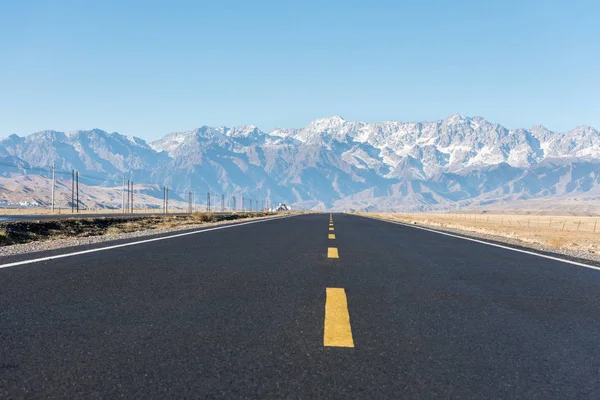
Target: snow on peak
172, 141
456, 117
332, 119
242, 131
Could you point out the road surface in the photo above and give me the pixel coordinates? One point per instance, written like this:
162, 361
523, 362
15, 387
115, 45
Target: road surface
281, 309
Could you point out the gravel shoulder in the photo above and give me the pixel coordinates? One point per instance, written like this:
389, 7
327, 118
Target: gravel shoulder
70, 242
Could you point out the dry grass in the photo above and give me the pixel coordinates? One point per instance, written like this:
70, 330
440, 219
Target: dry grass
48, 211
4, 239
30, 231
172, 222
565, 232
203, 216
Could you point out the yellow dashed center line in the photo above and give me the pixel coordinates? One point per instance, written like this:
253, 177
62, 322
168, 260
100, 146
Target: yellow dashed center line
332, 252
330, 228
331, 236
338, 332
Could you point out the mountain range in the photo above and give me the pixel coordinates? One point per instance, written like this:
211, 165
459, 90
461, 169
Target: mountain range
333, 163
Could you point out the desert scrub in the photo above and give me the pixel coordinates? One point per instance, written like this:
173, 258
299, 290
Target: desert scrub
204, 216
31, 231
4, 239
119, 228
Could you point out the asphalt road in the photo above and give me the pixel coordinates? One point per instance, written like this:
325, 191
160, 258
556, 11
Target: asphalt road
260, 311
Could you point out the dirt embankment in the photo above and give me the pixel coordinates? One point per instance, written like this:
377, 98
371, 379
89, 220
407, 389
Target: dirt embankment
31, 231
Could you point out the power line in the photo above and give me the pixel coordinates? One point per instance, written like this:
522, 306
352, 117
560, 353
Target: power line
116, 180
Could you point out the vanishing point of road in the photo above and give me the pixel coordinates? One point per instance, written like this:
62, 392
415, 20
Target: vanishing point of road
309, 306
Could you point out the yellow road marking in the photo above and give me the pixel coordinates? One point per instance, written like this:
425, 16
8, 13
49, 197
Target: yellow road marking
331, 224
331, 236
332, 252
338, 332
330, 228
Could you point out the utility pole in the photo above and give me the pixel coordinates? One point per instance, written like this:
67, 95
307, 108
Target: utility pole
167, 201
243, 204
127, 201
72, 191
208, 201
53, 183
132, 197
123, 196
77, 180
222, 202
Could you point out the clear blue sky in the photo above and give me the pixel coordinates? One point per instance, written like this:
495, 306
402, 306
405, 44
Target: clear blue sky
147, 68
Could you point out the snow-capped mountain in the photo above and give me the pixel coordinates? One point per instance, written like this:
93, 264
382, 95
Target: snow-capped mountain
89, 151
334, 163
450, 145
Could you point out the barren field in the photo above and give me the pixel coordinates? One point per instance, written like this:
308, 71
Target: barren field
563, 232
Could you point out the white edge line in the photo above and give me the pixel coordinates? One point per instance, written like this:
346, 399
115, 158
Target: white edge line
77, 253
484, 242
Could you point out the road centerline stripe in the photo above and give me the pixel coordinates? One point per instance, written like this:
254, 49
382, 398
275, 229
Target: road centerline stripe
331, 236
337, 332
330, 228
332, 252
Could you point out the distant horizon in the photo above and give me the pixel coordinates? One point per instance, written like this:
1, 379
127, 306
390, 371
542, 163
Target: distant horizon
301, 127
